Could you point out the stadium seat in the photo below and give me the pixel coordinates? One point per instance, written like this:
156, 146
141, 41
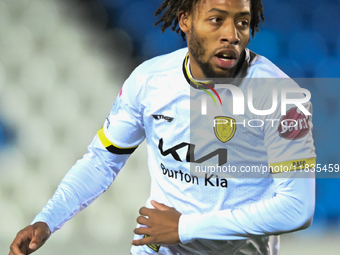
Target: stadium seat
325, 208
2, 136
7, 134
114, 4
4, 17
137, 18
12, 50
265, 43
326, 20
308, 49
284, 18
338, 47
156, 43
328, 68
328, 86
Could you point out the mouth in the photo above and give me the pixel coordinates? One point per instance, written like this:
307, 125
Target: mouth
226, 58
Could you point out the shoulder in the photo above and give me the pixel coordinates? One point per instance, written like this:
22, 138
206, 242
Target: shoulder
140, 79
163, 63
261, 67
264, 76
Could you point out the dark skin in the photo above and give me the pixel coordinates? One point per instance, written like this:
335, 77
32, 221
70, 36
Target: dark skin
161, 225
216, 26
213, 27
30, 239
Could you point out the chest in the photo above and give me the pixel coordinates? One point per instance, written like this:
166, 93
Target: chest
177, 128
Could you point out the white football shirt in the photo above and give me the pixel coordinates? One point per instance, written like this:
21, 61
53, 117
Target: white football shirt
235, 211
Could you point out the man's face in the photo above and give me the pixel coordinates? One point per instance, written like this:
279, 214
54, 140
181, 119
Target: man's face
217, 33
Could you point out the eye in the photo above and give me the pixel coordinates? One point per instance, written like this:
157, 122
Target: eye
243, 24
215, 20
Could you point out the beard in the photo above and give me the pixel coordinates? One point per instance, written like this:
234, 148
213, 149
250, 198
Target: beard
198, 50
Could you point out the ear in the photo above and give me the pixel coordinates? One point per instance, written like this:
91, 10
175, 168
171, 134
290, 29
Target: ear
184, 21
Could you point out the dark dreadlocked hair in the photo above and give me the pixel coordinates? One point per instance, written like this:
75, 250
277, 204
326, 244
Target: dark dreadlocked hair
172, 7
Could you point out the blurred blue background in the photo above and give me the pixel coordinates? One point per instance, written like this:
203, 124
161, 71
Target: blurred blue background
79, 53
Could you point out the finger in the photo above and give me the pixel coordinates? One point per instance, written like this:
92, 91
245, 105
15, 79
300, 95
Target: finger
145, 211
15, 250
16, 244
11, 253
24, 248
33, 246
142, 220
142, 231
39, 237
143, 241
159, 206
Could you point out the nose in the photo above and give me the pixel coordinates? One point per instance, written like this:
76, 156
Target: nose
229, 33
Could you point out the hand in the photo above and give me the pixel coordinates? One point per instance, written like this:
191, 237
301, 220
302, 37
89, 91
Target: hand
30, 239
161, 225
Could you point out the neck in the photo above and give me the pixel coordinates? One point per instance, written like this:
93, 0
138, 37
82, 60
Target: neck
195, 69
